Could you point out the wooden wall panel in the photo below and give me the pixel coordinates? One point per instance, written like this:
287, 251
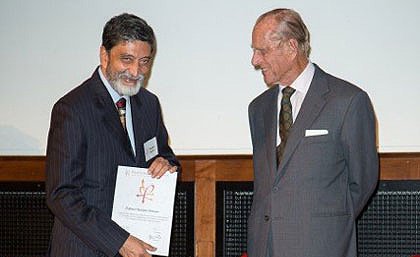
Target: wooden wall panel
399, 166
22, 168
205, 208
393, 166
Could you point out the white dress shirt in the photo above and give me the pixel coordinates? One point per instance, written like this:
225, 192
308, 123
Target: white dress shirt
301, 84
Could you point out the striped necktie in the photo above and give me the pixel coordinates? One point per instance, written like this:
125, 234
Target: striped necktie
121, 111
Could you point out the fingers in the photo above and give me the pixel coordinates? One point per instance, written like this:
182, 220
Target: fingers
173, 169
149, 247
159, 166
134, 247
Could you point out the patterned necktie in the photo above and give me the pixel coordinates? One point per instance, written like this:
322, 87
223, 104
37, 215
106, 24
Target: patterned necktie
285, 120
121, 110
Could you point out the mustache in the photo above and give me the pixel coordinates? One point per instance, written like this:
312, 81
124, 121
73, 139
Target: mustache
126, 75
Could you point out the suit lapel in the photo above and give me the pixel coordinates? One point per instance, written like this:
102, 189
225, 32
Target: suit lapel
138, 114
311, 107
106, 106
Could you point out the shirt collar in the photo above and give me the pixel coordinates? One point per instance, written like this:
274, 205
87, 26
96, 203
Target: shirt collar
303, 81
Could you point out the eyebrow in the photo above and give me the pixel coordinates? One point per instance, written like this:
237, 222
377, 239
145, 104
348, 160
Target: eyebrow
132, 56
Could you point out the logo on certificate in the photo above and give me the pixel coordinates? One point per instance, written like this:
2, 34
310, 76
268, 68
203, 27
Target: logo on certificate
146, 191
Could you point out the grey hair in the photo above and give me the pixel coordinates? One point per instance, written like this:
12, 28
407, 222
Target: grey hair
289, 26
127, 27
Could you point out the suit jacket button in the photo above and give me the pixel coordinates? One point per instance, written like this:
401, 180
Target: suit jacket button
266, 218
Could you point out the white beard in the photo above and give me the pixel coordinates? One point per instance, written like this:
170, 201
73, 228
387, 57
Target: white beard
116, 82
127, 90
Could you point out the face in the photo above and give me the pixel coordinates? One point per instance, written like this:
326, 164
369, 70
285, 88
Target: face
126, 65
272, 57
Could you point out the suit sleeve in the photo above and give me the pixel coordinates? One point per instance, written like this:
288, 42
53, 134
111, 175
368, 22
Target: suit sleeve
65, 169
251, 121
359, 137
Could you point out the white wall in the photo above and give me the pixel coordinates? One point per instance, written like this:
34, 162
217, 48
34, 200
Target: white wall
202, 71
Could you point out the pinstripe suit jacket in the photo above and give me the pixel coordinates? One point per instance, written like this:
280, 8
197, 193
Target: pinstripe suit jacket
311, 201
86, 143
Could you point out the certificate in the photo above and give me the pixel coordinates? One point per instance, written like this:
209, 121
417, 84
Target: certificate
144, 206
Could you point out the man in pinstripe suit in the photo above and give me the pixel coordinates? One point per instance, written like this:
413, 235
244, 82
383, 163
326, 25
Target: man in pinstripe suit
87, 142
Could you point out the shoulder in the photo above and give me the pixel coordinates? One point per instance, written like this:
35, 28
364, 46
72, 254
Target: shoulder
84, 92
264, 98
144, 96
338, 87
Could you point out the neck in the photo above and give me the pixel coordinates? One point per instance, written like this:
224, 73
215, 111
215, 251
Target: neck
103, 70
300, 64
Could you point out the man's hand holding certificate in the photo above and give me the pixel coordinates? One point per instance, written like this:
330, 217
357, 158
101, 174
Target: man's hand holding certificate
144, 206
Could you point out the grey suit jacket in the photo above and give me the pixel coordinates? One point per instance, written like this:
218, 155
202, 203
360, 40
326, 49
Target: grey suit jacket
311, 201
86, 143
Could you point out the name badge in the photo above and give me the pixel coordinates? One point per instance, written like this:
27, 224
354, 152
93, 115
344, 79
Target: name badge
150, 149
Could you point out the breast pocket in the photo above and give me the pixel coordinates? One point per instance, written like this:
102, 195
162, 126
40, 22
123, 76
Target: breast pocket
317, 139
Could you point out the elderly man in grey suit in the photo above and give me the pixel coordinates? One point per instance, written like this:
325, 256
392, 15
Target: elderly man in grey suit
314, 149
107, 121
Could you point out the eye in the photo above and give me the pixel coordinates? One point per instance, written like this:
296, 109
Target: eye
260, 51
144, 61
126, 60
265, 51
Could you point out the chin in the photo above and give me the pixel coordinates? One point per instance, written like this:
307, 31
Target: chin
270, 83
127, 90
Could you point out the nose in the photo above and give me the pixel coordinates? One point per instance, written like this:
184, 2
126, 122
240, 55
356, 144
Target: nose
256, 59
134, 70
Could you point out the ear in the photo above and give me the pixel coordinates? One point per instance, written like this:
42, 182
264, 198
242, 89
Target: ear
293, 47
104, 57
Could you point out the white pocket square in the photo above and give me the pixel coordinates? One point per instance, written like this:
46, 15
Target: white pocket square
315, 132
